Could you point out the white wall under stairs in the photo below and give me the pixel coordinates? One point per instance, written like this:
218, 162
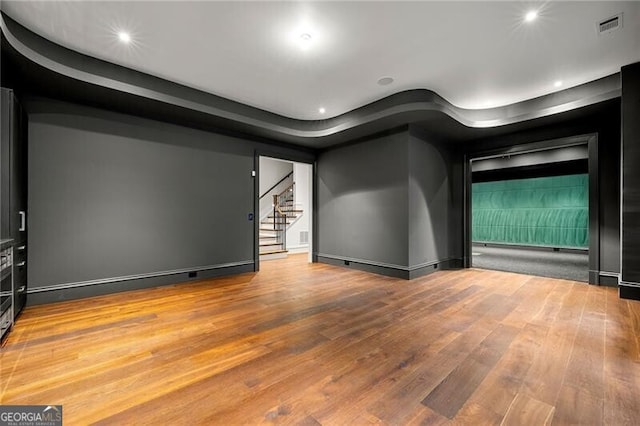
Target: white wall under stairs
302, 173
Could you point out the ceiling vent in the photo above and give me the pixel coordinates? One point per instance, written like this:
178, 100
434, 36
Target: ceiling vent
609, 25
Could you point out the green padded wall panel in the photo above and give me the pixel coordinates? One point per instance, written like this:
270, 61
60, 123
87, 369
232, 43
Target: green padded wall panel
548, 211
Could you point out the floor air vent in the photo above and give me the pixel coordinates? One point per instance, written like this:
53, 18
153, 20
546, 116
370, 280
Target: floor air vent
608, 25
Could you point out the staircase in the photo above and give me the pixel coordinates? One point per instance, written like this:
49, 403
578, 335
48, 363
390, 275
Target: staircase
273, 228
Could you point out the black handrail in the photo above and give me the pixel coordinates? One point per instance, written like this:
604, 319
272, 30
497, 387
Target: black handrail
279, 182
280, 217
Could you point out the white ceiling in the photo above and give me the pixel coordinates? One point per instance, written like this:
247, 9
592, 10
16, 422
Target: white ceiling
474, 54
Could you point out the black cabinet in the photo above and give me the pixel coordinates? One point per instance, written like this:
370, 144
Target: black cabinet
13, 202
6, 287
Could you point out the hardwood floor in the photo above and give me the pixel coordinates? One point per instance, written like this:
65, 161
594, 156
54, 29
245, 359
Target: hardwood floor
314, 344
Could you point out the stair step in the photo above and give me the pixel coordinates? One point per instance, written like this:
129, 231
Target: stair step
269, 244
273, 252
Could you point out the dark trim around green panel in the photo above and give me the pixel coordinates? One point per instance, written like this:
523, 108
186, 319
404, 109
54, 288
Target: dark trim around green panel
594, 201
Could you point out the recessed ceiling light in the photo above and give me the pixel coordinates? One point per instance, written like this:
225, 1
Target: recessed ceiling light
384, 81
322, 110
531, 15
557, 83
304, 40
124, 36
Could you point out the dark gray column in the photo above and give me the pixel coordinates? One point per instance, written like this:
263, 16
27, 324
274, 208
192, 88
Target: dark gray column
362, 205
630, 277
391, 205
435, 205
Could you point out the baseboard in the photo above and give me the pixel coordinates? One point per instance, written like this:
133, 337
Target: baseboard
273, 256
606, 279
531, 247
394, 271
389, 270
629, 290
59, 293
454, 263
298, 249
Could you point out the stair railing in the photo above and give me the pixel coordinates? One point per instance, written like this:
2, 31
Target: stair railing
282, 203
288, 175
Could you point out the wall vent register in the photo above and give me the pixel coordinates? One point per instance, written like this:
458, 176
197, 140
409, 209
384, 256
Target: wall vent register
611, 24
304, 237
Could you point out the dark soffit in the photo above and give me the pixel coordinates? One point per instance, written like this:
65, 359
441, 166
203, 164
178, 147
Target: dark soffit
49, 69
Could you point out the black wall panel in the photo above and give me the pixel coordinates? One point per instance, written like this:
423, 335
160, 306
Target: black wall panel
631, 175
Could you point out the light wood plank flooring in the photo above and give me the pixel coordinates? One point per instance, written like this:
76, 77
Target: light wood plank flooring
304, 343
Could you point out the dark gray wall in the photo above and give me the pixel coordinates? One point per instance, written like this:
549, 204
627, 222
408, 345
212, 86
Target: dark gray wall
435, 202
392, 205
631, 181
113, 196
363, 201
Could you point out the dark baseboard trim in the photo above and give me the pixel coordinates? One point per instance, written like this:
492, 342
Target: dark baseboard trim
456, 263
604, 278
628, 290
607, 279
60, 294
363, 265
395, 271
532, 247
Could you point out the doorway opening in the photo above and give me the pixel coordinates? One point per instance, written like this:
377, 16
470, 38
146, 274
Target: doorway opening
284, 209
533, 209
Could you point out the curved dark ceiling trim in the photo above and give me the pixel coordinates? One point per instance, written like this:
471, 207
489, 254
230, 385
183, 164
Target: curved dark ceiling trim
400, 108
